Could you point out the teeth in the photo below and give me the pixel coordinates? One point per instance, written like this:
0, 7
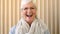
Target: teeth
29, 15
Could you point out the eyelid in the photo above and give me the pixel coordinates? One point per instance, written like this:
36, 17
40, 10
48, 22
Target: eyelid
32, 8
25, 8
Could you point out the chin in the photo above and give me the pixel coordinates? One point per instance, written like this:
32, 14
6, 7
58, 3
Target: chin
29, 19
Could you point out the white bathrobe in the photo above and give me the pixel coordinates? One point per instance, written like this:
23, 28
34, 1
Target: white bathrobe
37, 27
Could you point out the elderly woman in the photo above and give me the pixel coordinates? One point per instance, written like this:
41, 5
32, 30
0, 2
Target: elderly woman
29, 23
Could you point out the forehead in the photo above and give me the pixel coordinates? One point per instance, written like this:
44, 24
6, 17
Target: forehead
30, 4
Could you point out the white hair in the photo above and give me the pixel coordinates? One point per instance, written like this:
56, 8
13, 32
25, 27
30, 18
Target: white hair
23, 2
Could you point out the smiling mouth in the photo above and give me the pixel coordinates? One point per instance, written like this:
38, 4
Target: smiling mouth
29, 15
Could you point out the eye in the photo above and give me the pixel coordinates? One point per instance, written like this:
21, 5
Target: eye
32, 8
25, 8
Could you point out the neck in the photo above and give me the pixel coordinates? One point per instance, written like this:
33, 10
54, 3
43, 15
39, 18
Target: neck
29, 23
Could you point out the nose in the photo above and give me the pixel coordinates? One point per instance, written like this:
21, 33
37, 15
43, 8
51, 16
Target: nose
29, 11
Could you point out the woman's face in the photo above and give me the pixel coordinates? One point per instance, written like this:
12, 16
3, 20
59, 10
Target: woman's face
29, 12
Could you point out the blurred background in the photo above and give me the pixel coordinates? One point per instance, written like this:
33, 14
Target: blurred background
48, 11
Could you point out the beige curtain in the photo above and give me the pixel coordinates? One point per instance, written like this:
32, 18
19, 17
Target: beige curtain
48, 11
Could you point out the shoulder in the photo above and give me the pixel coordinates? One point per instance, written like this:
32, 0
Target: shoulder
42, 24
12, 30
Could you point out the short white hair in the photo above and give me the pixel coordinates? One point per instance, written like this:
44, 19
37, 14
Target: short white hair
23, 2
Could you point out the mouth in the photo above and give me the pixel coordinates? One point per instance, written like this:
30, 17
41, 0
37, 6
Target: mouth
29, 15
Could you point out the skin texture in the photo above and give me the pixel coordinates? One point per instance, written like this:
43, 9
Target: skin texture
29, 12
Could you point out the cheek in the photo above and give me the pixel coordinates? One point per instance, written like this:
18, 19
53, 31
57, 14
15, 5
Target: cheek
34, 12
23, 13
